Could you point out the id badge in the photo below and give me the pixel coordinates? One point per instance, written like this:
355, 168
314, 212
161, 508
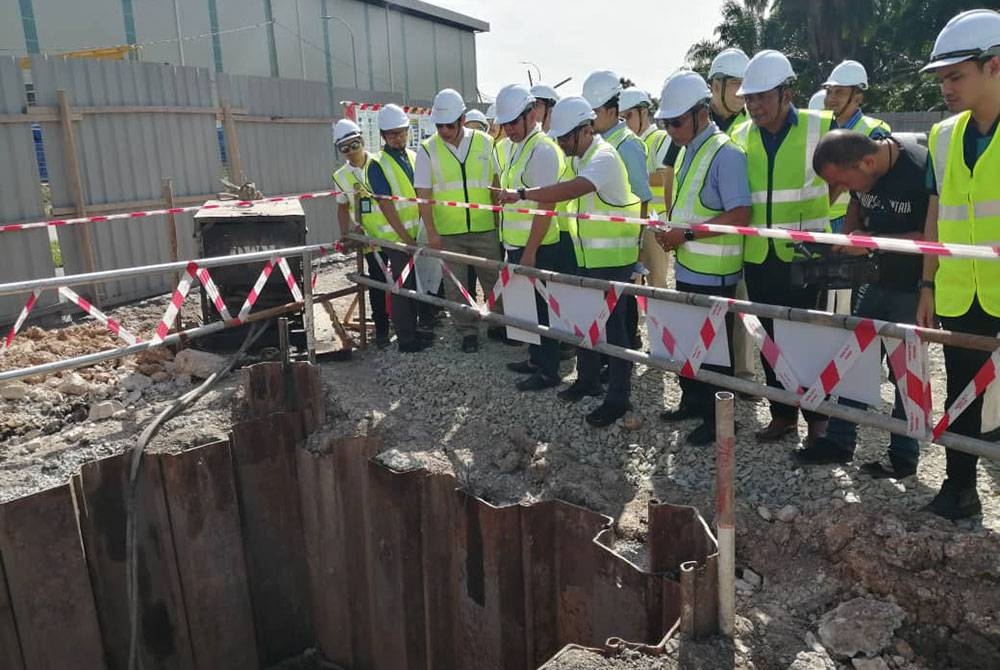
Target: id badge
366, 205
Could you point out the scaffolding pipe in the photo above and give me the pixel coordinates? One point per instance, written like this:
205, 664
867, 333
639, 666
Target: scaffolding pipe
951, 440
725, 466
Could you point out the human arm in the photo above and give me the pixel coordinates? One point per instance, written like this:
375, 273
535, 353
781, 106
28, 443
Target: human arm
673, 238
561, 192
926, 313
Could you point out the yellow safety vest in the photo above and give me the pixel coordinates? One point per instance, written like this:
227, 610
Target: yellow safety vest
502, 148
719, 255
968, 213
654, 139
605, 244
741, 118
516, 228
566, 206
793, 196
467, 180
373, 221
867, 125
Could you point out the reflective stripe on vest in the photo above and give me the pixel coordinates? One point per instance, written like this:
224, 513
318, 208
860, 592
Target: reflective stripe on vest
605, 244
795, 197
465, 180
968, 213
516, 228
719, 255
871, 127
502, 149
654, 139
400, 185
739, 120
566, 206
373, 222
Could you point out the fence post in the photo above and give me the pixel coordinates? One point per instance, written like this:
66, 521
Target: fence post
308, 317
75, 180
232, 146
362, 315
725, 446
168, 197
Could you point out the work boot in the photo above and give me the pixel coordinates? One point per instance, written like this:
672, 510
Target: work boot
607, 414
382, 336
898, 468
523, 367
683, 411
954, 503
537, 382
702, 435
776, 430
577, 391
822, 451
816, 430
413, 346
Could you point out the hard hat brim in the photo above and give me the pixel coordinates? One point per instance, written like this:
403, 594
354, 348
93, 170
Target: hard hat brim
402, 125
945, 62
443, 117
347, 138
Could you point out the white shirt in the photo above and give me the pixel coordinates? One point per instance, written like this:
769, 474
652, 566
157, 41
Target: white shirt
543, 163
422, 170
604, 171
359, 173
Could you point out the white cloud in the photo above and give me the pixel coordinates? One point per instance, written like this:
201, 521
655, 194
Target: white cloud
640, 39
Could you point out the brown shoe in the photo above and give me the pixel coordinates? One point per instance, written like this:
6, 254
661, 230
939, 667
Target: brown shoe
776, 430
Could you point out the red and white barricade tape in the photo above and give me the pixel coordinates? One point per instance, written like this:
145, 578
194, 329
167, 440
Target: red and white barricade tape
176, 300
293, 286
857, 342
986, 375
666, 336
714, 324
93, 311
599, 325
213, 293
772, 354
909, 364
21, 318
258, 288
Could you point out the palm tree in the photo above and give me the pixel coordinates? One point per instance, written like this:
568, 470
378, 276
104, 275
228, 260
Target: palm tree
743, 25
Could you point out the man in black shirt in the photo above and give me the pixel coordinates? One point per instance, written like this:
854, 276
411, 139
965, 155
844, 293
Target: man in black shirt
886, 179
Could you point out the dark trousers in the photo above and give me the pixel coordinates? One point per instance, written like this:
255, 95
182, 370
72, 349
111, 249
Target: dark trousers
875, 302
588, 361
546, 354
404, 311
770, 282
567, 254
699, 395
961, 365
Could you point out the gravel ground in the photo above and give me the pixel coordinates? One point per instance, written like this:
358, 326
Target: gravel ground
451, 412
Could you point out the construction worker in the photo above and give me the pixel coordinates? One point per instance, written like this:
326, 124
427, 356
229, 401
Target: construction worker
383, 174
637, 112
710, 186
786, 194
886, 182
456, 164
964, 176
545, 99
604, 250
533, 241
817, 102
725, 76
845, 91
476, 120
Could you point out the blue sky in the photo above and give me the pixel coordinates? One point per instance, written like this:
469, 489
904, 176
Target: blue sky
641, 39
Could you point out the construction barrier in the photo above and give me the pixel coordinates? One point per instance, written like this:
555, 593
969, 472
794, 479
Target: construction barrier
365, 114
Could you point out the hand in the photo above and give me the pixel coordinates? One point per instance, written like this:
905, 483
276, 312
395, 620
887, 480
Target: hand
849, 251
433, 240
527, 259
504, 196
670, 239
926, 318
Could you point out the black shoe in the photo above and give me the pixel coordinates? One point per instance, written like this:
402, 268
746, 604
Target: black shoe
382, 341
822, 451
537, 382
955, 503
606, 414
413, 347
605, 374
523, 367
470, 344
499, 334
897, 469
702, 435
682, 412
577, 391
424, 335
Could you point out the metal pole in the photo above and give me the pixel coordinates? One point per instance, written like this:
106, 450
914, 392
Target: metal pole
180, 36
168, 198
736, 384
354, 45
308, 317
95, 293
302, 45
362, 311
725, 447
388, 43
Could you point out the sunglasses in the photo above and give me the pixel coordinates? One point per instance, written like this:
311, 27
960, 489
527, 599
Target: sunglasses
671, 123
442, 126
348, 148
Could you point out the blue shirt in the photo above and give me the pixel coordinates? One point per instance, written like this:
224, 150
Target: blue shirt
726, 187
854, 120
974, 145
376, 177
772, 142
633, 153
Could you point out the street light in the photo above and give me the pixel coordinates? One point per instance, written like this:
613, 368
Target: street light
354, 46
537, 70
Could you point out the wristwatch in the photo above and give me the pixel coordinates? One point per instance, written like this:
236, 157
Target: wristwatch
520, 194
688, 234
925, 283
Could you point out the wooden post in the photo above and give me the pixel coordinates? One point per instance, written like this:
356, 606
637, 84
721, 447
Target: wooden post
75, 180
232, 146
308, 317
362, 311
168, 198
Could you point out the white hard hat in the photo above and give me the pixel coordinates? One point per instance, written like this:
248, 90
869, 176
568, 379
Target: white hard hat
968, 35
392, 117
568, 114
729, 63
448, 106
544, 92
512, 100
491, 111
477, 116
601, 86
766, 70
633, 97
680, 93
818, 100
345, 129
848, 73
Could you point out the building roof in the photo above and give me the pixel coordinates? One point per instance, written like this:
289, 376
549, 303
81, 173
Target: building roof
435, 13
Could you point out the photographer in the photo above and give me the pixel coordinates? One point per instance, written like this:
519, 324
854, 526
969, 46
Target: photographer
886, 180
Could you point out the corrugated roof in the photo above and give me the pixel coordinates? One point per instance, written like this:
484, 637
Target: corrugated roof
435, 13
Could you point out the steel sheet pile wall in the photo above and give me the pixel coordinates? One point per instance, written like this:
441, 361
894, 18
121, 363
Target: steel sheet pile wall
294, 151
254, 549
123, 157
25, 254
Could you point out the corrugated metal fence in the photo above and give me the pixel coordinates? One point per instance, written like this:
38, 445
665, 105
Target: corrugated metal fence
911, 122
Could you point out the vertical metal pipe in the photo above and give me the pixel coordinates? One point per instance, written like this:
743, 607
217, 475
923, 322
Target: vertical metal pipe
388, 44
180, 35
167, 187
362, 316
302, 44
308, 317
725, 446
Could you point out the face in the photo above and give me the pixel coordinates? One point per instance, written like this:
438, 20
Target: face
633, 119
519, 128
396, 139
575, 142
766, 108
724, 92
451, 132
842, 99
543, 113
682, 128
606, 118
353, 150
860, 178
963, 84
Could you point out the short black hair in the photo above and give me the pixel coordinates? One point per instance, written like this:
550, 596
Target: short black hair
843, 148
613, 102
